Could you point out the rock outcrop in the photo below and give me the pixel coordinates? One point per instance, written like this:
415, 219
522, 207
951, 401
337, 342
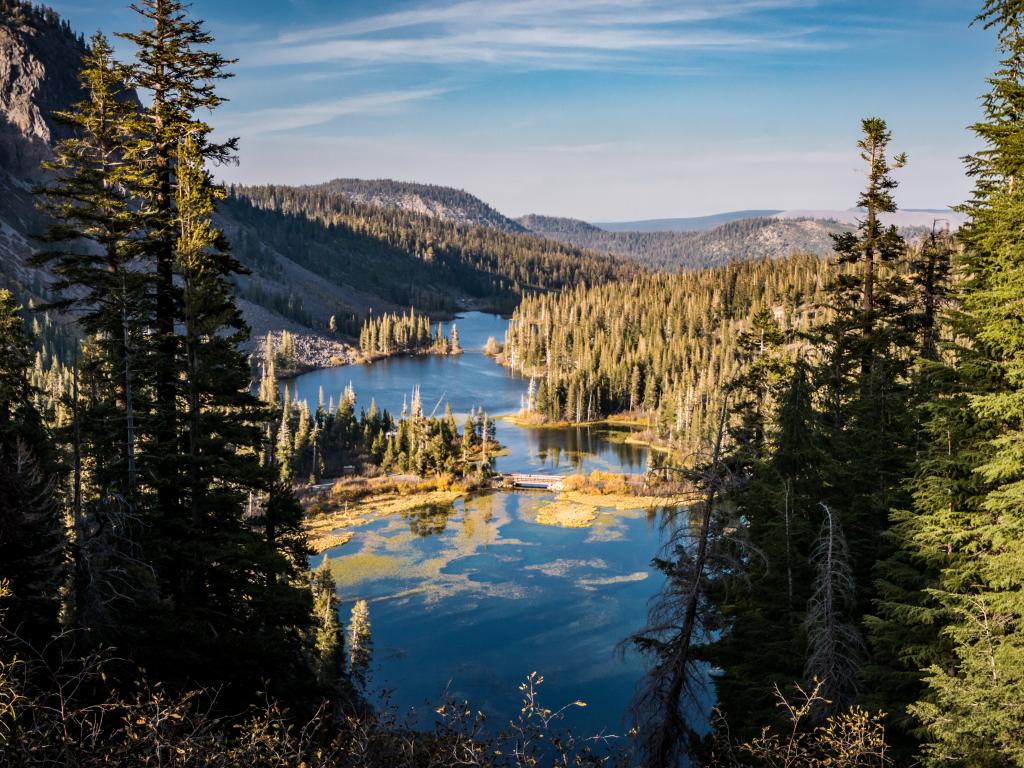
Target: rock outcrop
39, 61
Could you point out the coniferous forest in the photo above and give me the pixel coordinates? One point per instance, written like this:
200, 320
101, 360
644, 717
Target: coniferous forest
844, 580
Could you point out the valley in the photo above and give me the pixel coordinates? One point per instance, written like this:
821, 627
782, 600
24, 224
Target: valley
372, 473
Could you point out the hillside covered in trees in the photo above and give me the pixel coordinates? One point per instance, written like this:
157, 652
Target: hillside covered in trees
407, 258
846, 559
743, 239
446, 203
662, 347
338, 249
852, 427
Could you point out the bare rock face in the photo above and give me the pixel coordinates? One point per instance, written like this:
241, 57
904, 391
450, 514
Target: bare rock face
39, 62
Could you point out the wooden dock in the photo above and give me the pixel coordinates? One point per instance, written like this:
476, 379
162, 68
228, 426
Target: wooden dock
519, 480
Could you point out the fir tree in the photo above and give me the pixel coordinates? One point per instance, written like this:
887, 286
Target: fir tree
360, 643
32, 540
177, 71
972, 708
94, 249
330, 638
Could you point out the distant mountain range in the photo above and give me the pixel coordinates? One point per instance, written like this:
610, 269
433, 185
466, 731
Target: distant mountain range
742, 238
911, 217
693, 224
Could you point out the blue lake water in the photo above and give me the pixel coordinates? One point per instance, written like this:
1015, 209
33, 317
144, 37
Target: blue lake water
473, 597
473, 380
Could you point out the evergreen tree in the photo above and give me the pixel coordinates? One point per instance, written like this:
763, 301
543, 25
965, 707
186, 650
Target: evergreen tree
972, 709
93, 248
360, 643
176, 70
454, 347
32, 538
330, 639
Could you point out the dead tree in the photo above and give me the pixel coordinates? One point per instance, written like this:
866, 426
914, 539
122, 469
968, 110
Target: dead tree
677, 624
835, 648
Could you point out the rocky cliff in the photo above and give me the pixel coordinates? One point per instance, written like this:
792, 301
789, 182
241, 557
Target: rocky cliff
39, 61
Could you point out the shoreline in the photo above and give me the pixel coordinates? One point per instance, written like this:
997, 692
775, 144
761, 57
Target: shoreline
333, 514
617, 421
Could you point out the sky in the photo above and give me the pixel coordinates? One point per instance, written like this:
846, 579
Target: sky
604, 110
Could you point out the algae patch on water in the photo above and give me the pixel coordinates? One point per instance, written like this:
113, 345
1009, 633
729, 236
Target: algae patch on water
566, 515
605, 581
365, 566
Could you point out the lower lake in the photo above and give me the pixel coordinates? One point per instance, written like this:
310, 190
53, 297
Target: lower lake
470, 598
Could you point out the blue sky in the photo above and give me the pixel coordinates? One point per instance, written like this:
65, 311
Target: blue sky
598, 109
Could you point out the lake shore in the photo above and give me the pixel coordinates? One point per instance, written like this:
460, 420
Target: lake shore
332, 512
640, 434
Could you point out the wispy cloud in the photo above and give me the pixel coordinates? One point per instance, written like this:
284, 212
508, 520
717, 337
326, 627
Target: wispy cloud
595, 148
546, 34
298, 116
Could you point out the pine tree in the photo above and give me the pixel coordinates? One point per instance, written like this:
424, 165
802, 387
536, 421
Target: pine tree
32, 540
177, 71
94, 198
360, 643
192, 577
454, 347
268, 380
868, 346
330, 638
972, 709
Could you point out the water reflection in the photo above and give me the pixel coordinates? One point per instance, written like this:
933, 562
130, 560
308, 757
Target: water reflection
430, 520
475, 595
478, 595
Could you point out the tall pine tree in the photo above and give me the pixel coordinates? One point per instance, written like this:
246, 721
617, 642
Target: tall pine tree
968, 524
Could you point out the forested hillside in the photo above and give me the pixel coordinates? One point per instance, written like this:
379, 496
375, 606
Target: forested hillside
662, 347
852, 426
447, 203
406, 258
340, 249
748, 239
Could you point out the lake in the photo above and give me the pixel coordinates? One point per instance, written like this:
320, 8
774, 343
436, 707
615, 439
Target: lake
473, 597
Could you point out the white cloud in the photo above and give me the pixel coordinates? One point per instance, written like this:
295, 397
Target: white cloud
544, 34
291, 118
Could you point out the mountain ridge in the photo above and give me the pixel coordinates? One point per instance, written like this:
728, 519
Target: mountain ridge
448, 203
685, 224
740, 239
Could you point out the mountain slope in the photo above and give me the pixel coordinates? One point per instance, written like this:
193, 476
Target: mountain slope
340, 248
403, 258
757, 238
446, 203
39, 61
691, 224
